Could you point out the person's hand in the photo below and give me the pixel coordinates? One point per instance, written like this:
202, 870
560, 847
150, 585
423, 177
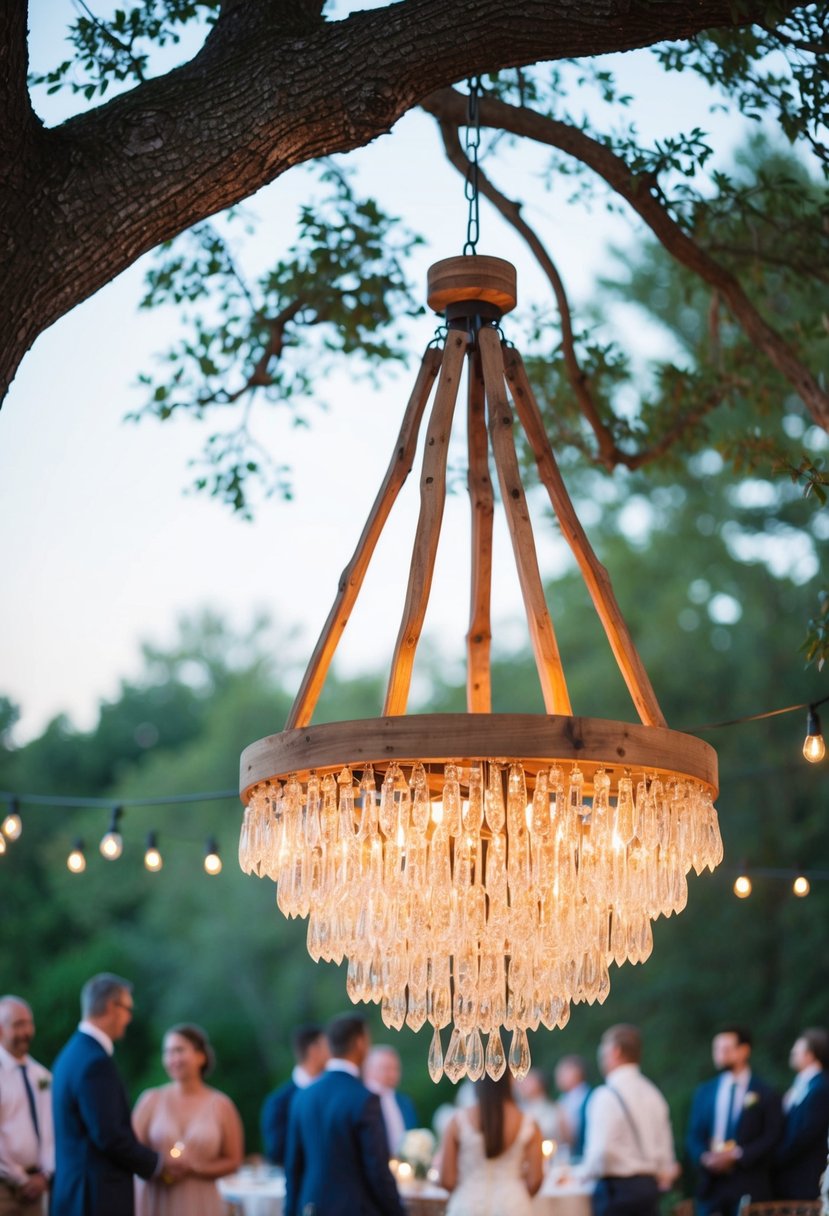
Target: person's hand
175, 1168
32, 1189
719, 1161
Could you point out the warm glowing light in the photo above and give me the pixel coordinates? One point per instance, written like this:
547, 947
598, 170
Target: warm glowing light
111, 846
801, 886
814, 748
177, 1149
2, 844
12, 826
548, 1147
76, 861
212, 860
153, 860
404, 1171
742, 886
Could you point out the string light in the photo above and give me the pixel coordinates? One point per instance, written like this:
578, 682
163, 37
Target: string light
801, 886
212, 860
814, 748
112, 842
12, 825
153, 860
76, 861
742, 886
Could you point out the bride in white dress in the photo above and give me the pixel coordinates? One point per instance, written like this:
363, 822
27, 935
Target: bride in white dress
491, 1157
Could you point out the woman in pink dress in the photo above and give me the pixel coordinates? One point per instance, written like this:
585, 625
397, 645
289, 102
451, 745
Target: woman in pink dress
192, 1121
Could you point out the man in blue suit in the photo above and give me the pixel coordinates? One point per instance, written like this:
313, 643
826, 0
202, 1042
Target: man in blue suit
382, 1074
337, 1161
311, 1052
96, 1152
800, 1158
736, 1123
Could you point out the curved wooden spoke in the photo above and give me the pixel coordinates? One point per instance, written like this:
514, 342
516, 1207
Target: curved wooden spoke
545, 647
593, 572
432, 498
351, 579
479, 637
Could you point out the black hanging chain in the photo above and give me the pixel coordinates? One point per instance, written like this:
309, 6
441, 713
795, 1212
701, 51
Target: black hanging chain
473, 143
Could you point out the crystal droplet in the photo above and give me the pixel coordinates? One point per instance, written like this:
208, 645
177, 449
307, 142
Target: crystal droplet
496, 1060
519, 1054
494, 799
454, 1065
436, 1057
474, 1056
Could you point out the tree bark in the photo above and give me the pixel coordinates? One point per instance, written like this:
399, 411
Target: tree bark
273, 86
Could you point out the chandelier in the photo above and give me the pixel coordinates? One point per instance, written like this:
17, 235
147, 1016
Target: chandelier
481, 870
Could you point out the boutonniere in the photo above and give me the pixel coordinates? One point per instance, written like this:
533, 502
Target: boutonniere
751, 1099
43, 1083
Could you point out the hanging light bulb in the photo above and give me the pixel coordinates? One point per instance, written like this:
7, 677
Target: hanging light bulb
76, 861
212, 860
12, 825
153, 860
742, 886
801, 886
112, 843
814, 747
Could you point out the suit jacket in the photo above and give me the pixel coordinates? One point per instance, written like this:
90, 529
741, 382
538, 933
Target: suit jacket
800, 1157
96, 1152
337, 1161
274, 1121
759, 1127
407, 1110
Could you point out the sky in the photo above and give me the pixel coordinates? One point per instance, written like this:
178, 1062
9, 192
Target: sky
101, 547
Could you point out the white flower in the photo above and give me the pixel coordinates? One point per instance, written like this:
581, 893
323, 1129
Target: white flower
418, 1147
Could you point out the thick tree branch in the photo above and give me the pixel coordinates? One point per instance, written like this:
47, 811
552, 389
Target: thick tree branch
450, 106
273, 87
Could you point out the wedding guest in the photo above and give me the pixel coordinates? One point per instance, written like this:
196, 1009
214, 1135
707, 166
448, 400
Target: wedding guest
531, 1095
628, 1144
337, 1160
27, 1149
800, 1157
381, 1074
735, 1125
96, 1151
311, 1054
490, 1157
574, 1090
197, 1125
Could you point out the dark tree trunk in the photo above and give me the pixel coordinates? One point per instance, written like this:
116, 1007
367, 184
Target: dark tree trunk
273, 86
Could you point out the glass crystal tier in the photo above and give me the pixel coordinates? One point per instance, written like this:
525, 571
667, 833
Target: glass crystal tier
486, 894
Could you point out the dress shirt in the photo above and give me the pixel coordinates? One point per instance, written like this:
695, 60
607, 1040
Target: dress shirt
798, 1091
611, 1149
337, 1064
99, 1035
392, 1116
301, 1077
20, 1147
731, 1096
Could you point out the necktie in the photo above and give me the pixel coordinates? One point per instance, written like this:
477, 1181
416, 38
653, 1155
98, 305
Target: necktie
731, 1124
31, 1097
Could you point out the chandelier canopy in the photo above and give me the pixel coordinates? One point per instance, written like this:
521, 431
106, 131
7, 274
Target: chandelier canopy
478, 869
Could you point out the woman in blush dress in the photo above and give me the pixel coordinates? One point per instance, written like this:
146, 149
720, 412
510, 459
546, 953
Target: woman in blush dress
491, 1156
191, 1121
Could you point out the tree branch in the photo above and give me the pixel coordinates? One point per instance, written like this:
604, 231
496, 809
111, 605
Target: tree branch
450, 106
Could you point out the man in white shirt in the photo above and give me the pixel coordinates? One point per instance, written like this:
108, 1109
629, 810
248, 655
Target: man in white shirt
381, 1074
27, 1149
629, 1148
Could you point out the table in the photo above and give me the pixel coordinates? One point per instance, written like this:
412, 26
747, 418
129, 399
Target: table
563, 1196
254, 1191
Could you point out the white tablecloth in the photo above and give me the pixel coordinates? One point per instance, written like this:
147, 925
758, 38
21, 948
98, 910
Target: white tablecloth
567, 1197
254, 1192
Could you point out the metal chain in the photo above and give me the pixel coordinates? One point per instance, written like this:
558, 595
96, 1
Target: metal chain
473, 143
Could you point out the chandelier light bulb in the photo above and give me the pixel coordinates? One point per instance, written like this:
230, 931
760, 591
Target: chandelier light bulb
12, 825
212, 860
742, 886
112, 842
814, 747
76, 861
153, 860
801, 886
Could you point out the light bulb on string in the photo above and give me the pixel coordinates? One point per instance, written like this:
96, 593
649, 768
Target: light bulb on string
76, 861
212, 860
801, 886
112, 842
814, 747
12, 825
153, 861
742, 886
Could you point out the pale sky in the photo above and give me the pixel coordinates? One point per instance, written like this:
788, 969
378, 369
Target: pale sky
100, 547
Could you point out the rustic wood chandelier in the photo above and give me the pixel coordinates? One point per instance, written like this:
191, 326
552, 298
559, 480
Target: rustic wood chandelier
506, 859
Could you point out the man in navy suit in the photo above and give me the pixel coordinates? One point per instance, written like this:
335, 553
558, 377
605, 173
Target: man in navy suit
736, 1123
800, 1158
382, 1074
311, 1052
96, 1152
337, 1161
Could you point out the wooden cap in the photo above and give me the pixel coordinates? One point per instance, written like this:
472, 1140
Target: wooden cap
472, 277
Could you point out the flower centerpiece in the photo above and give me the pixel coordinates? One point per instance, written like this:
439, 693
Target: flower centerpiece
417, 1150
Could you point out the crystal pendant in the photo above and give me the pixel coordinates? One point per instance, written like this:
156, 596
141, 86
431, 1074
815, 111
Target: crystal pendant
474, 1056
436, 1057
519, 1054
496, 1060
